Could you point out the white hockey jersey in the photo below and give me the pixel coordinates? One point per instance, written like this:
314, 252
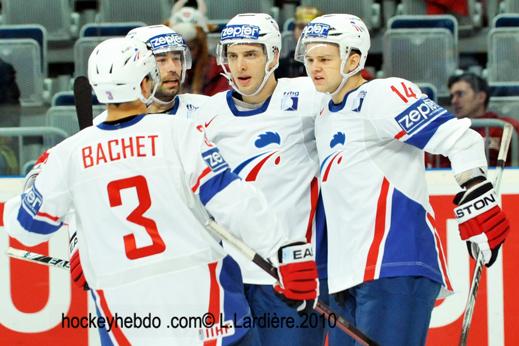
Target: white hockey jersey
273, 147
371, 153
142, 189
185, 106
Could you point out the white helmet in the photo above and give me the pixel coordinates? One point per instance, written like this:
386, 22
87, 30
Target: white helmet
345, 30
162, 39
117, 67
250, 28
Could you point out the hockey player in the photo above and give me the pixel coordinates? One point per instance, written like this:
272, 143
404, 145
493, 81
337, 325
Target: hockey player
385, 262
265, 129
173, 60
142, 188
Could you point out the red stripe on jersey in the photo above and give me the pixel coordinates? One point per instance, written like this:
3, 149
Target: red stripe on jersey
380, 226
214, 300
2, 214
400, 134
314, 196
440, 252
117, 332
204, 173
254, 172
325, 176
48, 216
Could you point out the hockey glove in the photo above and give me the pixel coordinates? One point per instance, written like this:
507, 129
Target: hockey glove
76, 271
481, 220
298, 282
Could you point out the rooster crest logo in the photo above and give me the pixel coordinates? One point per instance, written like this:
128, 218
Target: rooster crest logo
255, 163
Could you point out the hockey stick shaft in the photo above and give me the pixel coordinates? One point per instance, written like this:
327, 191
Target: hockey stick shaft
321, 308
38, 258
83, 101
506, 138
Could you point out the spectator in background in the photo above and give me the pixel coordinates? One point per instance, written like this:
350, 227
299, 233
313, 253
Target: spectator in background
205, 75
288, 67
470, 96
9, 117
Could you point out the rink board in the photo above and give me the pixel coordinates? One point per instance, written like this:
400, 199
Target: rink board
33, 298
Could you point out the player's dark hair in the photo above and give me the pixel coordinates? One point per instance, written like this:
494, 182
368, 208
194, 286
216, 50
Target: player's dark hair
476, 83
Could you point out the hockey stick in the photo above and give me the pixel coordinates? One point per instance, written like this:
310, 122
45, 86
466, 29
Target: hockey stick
321, 308
83, 101
38, 258
506, 138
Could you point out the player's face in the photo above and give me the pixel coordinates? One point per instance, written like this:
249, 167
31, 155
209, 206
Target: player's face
323, 63
170, 67
465, 101
247, 66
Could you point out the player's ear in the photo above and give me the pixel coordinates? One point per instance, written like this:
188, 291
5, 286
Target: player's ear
275, 60
353, 61
146, 86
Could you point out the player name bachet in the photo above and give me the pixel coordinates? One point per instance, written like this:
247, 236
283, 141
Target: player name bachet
119, 149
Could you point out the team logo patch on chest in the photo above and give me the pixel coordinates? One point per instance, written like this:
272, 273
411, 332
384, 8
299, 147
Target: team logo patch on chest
337, 142
290, 100
251, 167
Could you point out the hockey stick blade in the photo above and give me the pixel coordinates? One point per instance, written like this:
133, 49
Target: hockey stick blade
321, 308
506, 138
83, 101
38, 258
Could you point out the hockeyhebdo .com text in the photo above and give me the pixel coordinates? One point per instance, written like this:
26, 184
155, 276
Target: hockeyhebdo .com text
136, 321
207, 326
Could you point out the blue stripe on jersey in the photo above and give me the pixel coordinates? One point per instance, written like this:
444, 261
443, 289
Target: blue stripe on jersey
174, 110
120, 124
421, 138
30, 224
216, 184
103, 334
336, 107
324, 161
238, 113
321, 239
242, 165
410, 248
235, 306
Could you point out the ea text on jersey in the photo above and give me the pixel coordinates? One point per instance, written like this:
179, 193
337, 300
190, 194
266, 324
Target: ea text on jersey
119, 149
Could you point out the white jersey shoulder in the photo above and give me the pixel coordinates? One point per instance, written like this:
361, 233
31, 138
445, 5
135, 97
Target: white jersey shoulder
190, 105
186, 106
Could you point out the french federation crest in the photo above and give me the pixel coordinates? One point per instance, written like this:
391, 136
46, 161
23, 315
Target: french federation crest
290, 100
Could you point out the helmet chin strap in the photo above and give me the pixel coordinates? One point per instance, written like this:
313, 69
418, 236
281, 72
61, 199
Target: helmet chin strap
164, 103
149, 100
345, 76
228, 75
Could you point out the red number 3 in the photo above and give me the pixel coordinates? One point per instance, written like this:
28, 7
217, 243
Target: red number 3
137, 216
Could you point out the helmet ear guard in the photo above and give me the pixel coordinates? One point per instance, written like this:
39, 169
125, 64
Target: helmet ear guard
250, 28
